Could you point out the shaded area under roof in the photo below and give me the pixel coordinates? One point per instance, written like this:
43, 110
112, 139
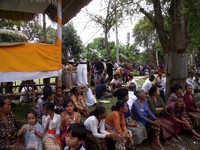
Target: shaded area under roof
27, 9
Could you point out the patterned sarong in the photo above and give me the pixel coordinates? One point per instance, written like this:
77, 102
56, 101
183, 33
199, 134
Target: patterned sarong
93, 143
49, 144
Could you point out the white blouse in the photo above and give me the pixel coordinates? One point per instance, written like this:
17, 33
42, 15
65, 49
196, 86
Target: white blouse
92, 125
54, 124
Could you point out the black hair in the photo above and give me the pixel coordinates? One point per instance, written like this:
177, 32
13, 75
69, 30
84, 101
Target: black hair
152, 90
66, 102
119, 104
49, 106
46, 88
132, 87
99, 110
117, 74
175, 88
77, 130
130, 75
151, 77
2, 100
47, 91
102, 81
74, 89
32, 112
121, 93
186, 85
59, 87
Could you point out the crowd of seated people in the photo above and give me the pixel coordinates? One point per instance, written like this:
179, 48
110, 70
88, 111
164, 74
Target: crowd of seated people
138, 114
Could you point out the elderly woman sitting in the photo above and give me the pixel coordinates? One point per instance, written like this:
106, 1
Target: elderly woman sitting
142, 113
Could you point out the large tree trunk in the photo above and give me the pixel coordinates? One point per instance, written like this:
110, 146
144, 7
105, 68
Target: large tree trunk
174, 44
176, 70
176, 61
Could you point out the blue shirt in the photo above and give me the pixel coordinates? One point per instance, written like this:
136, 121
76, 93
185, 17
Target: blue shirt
100, 88
141, 113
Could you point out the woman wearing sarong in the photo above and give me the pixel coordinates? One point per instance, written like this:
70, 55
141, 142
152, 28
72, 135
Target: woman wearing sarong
137, 129
142, 113
191, 107
176, 120
155, 102
97, 135
115, 123
176, 91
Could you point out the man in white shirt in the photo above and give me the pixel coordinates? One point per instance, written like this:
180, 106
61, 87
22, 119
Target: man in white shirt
82, 81
131, 95
190, 81
148, 83
82, 73
131, 80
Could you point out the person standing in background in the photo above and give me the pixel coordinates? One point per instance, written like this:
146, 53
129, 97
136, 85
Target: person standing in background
98, 71
82, 73
110, 67
82, 80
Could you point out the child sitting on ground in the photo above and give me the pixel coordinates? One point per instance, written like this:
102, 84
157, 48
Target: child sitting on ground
79, 101
76, 134
51, 123
68, 117
116, 83
32, 128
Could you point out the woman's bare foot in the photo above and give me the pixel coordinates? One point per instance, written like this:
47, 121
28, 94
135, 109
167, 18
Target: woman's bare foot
166, 142
174, 140
178, 138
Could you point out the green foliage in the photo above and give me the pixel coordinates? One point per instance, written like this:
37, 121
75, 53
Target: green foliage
72, 44
144, 33
115, 11
145, 36
51, 35
193, 27
9, 38
33, 31
97, 49
8, 24
9, 31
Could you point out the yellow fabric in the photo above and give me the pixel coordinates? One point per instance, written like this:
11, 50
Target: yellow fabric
30, 58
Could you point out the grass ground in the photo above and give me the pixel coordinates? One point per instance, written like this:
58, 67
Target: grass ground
187, 144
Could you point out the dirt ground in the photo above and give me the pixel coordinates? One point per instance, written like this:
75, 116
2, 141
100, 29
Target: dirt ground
188, 143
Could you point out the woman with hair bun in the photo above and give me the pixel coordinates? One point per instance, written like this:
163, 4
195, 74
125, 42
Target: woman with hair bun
115, 123
95, 125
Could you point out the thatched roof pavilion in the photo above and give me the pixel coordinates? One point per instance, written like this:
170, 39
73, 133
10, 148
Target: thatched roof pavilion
48, 56
27, 9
